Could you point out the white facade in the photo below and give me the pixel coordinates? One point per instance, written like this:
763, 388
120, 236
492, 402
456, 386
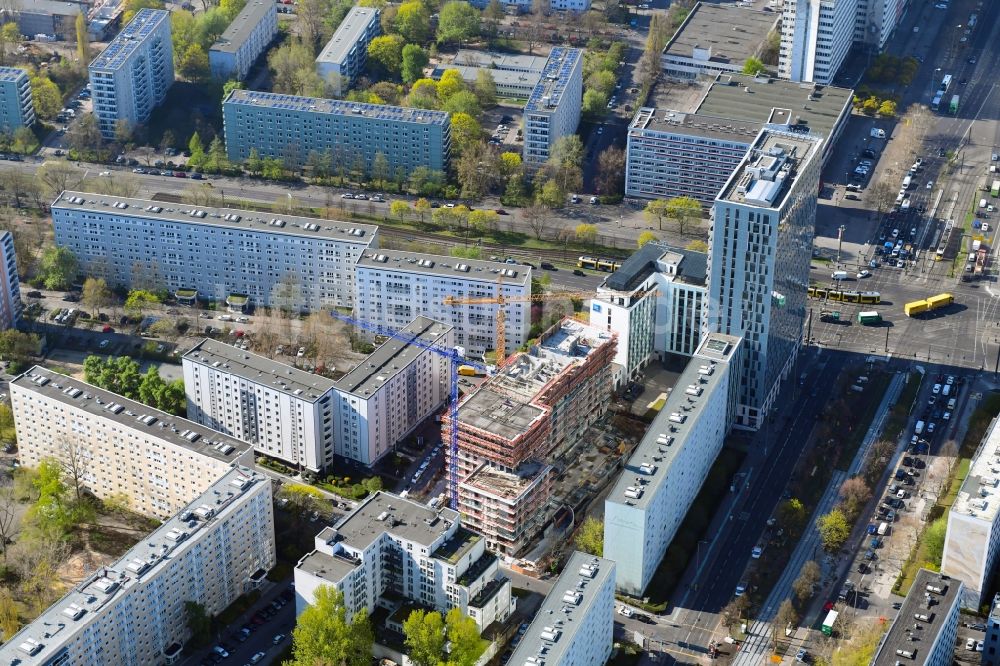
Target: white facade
876, 21
394, 546
345, 55
655, 304
300, 263
249, 35
131, 612
10, 285
662, 478
815, 38
575, 624
972, 541
132, 75
760, 248
160, 461
525, 5
391, 392
554, 107
394, 286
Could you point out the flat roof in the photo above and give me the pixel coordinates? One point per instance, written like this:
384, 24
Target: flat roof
562, 612
694, 124
903, 636
121, 48
392, 357
445, 266
11, 73
768, 171
331, 568
731, 33
402, 517
549, 91
770, 100
274, 374
505, 404
243, 26
649, 467
40, 641
96, 401
334, 107
56, 7
499, 61
230, 218
500, 76
347, 34
979, 496
693, 267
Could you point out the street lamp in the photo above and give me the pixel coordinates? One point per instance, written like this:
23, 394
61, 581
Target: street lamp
840, 242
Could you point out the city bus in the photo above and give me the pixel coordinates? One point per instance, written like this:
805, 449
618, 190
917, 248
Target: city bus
953, 107
828, 623
870, 317
945, 83
915, 307
939, 301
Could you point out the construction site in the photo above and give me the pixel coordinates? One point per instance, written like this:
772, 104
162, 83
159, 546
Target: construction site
509, 429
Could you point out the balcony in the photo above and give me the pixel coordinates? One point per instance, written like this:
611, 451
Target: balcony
488, 593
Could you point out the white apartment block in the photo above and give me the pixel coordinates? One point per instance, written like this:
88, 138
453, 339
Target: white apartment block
10, 284
401, 384
575, 624
716, 39
554, 107
972, 541
132, 75
301, 263
304, 419
160, 461
654, 303
131, 612
760, 247
925, 631
394, 286
678, 154
344, 56
816, 36
525, 5
249, 35
391, 551
662, 478
17, 108
876, 21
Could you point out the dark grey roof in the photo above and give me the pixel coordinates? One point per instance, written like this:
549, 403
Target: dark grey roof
903, 636
642, 264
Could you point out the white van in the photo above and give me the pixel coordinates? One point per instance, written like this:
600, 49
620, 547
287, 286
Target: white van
919, 429
905, 205
907, 182
946, 390
883, 529
982, 203
839, 275
951, 403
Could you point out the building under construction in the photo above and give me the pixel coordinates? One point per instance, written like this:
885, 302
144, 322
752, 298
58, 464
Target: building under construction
531, 412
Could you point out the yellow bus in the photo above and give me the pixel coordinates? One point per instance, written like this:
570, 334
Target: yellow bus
915, 308
939, 301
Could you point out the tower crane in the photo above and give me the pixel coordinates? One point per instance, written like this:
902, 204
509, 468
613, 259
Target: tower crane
454, 360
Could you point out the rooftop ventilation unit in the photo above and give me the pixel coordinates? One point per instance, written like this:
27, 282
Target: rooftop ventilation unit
633, 492
73, 612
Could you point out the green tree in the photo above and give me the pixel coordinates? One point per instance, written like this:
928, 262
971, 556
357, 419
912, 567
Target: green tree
565, 163
465, 131
199, 622
465, 645
887, 109
133, 6
697, 245
595, 103
485, 88
458, 21
646, 237
483, 221
9, 620
590, 537
96, 294
683, 211
380, 169
833, 529
323, 635
400, 209
197, 149
586, 233
230, 8
387, 51
82, 40
551, 195
870, 105
610, 177
414, 60
58, 267
463, 101
17, 346
425, 637
451, 82
24, 141
413, 22
118, 375
139, 300
46, 96
792, 514
753, 66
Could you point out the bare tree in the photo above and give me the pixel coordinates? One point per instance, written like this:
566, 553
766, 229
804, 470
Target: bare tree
8, 514
536, 216
808, 577
57, 177
854, 493
785, 617
882, 194
74, 459
734, 611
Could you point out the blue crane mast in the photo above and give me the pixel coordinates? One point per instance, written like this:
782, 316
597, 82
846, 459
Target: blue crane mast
454, 360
